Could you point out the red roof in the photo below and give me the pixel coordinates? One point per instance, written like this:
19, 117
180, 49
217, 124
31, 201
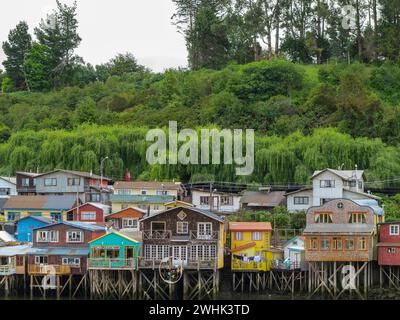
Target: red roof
250, 226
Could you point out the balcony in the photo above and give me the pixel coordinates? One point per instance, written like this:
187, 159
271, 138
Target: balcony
157, 235
7, 270
36, 269
194, 235
211, 263
238, 265
112, 264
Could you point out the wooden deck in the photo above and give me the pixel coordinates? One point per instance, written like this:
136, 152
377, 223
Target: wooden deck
112, 264
34, 269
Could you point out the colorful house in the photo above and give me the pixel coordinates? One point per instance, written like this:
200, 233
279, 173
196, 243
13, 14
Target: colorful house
89, 212
26, 225
52, 207
114, 250
193, 237
294, 254
389, 244
62, 248
250, 246
13, 260
126, 219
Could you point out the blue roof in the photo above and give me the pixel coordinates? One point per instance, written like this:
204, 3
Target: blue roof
76, 251
373, 204
41, 219
79, 225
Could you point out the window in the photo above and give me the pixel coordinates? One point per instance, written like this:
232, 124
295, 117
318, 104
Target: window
143, 192
394, 230
156, 252
325, 244
55, 216
124, 192
357, 217
301, 200
50, 182
182, 227
66, 261
47, 236
226, 201
41, 260
34, 182
353, 183
124, 206
204, 201
256, 236
203, 252
204, 230
349, 244
162, 193
74, 181
70, 216
324, 200
391, 250
323, 217
25, 182
5, 191
362, 243
157, 226
313, 243
13, 216
238, 236
337, 244
88, 215
94, 197
130, 223
35, 214
327, 183
75, 236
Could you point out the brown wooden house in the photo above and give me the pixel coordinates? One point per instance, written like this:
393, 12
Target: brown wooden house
126, 218
26, 183
62, 248
193, 237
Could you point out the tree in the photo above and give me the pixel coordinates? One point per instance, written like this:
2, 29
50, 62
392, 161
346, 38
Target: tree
38, 67
86, 112
59, 32
118, 66
16, 48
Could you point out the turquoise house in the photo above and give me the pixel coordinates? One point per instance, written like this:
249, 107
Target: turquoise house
114, 251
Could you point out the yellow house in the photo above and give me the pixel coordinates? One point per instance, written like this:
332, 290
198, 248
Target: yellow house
251, 246
52, 207
151, 196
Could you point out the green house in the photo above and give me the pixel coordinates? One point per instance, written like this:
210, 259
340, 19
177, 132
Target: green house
114, 251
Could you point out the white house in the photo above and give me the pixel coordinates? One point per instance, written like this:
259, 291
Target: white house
216, 201
8, 187
329, 184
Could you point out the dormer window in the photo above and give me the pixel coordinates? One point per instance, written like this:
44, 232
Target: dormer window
327, 183
323, 217
357, 217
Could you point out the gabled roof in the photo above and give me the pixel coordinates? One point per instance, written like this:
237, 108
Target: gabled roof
82, 174
203, 212
28, 174
78, 225
65, 202
250, 226
147, 185
94, 204
263, 199
119, 234
179, 201
41, 219
11, 180
344, 174
300, 190
132, 210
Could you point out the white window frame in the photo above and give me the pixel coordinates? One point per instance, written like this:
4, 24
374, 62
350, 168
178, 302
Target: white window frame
238, 235
76, 261
72, 232
396, 232
91, 214
182, 227
53, 182
256, 236
129, 223
38, 258
204, 234
51, 236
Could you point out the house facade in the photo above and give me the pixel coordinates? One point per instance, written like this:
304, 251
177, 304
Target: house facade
126, 219
250, 246
62, 248
343, 230
26, 183
8, 187
90, 212
389, 244
221, 202
26, 225
89, 187
51, 207
192, 237
329, 184
294, 254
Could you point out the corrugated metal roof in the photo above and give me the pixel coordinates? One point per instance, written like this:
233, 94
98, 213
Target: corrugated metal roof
41, 202
147, 185
373, 204
14, 250
6, 237
263, 199
79, 225
141, 198
77, 173
77, 251
349, 228
250, 226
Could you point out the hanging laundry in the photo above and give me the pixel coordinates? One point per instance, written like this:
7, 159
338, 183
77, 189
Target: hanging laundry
257, 259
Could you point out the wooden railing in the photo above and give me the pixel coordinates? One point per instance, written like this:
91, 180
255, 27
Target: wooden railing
157, 235
251, 265
289, 265
100, 263
194, 235
211, 263
48, 269
7, 269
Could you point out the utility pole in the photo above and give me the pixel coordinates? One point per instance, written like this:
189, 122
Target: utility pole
101, 177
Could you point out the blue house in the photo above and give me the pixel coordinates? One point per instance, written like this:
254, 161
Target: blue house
26, 225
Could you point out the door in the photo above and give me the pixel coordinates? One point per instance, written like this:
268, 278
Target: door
180, 254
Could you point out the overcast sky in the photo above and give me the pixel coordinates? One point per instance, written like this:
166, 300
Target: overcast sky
108, 27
